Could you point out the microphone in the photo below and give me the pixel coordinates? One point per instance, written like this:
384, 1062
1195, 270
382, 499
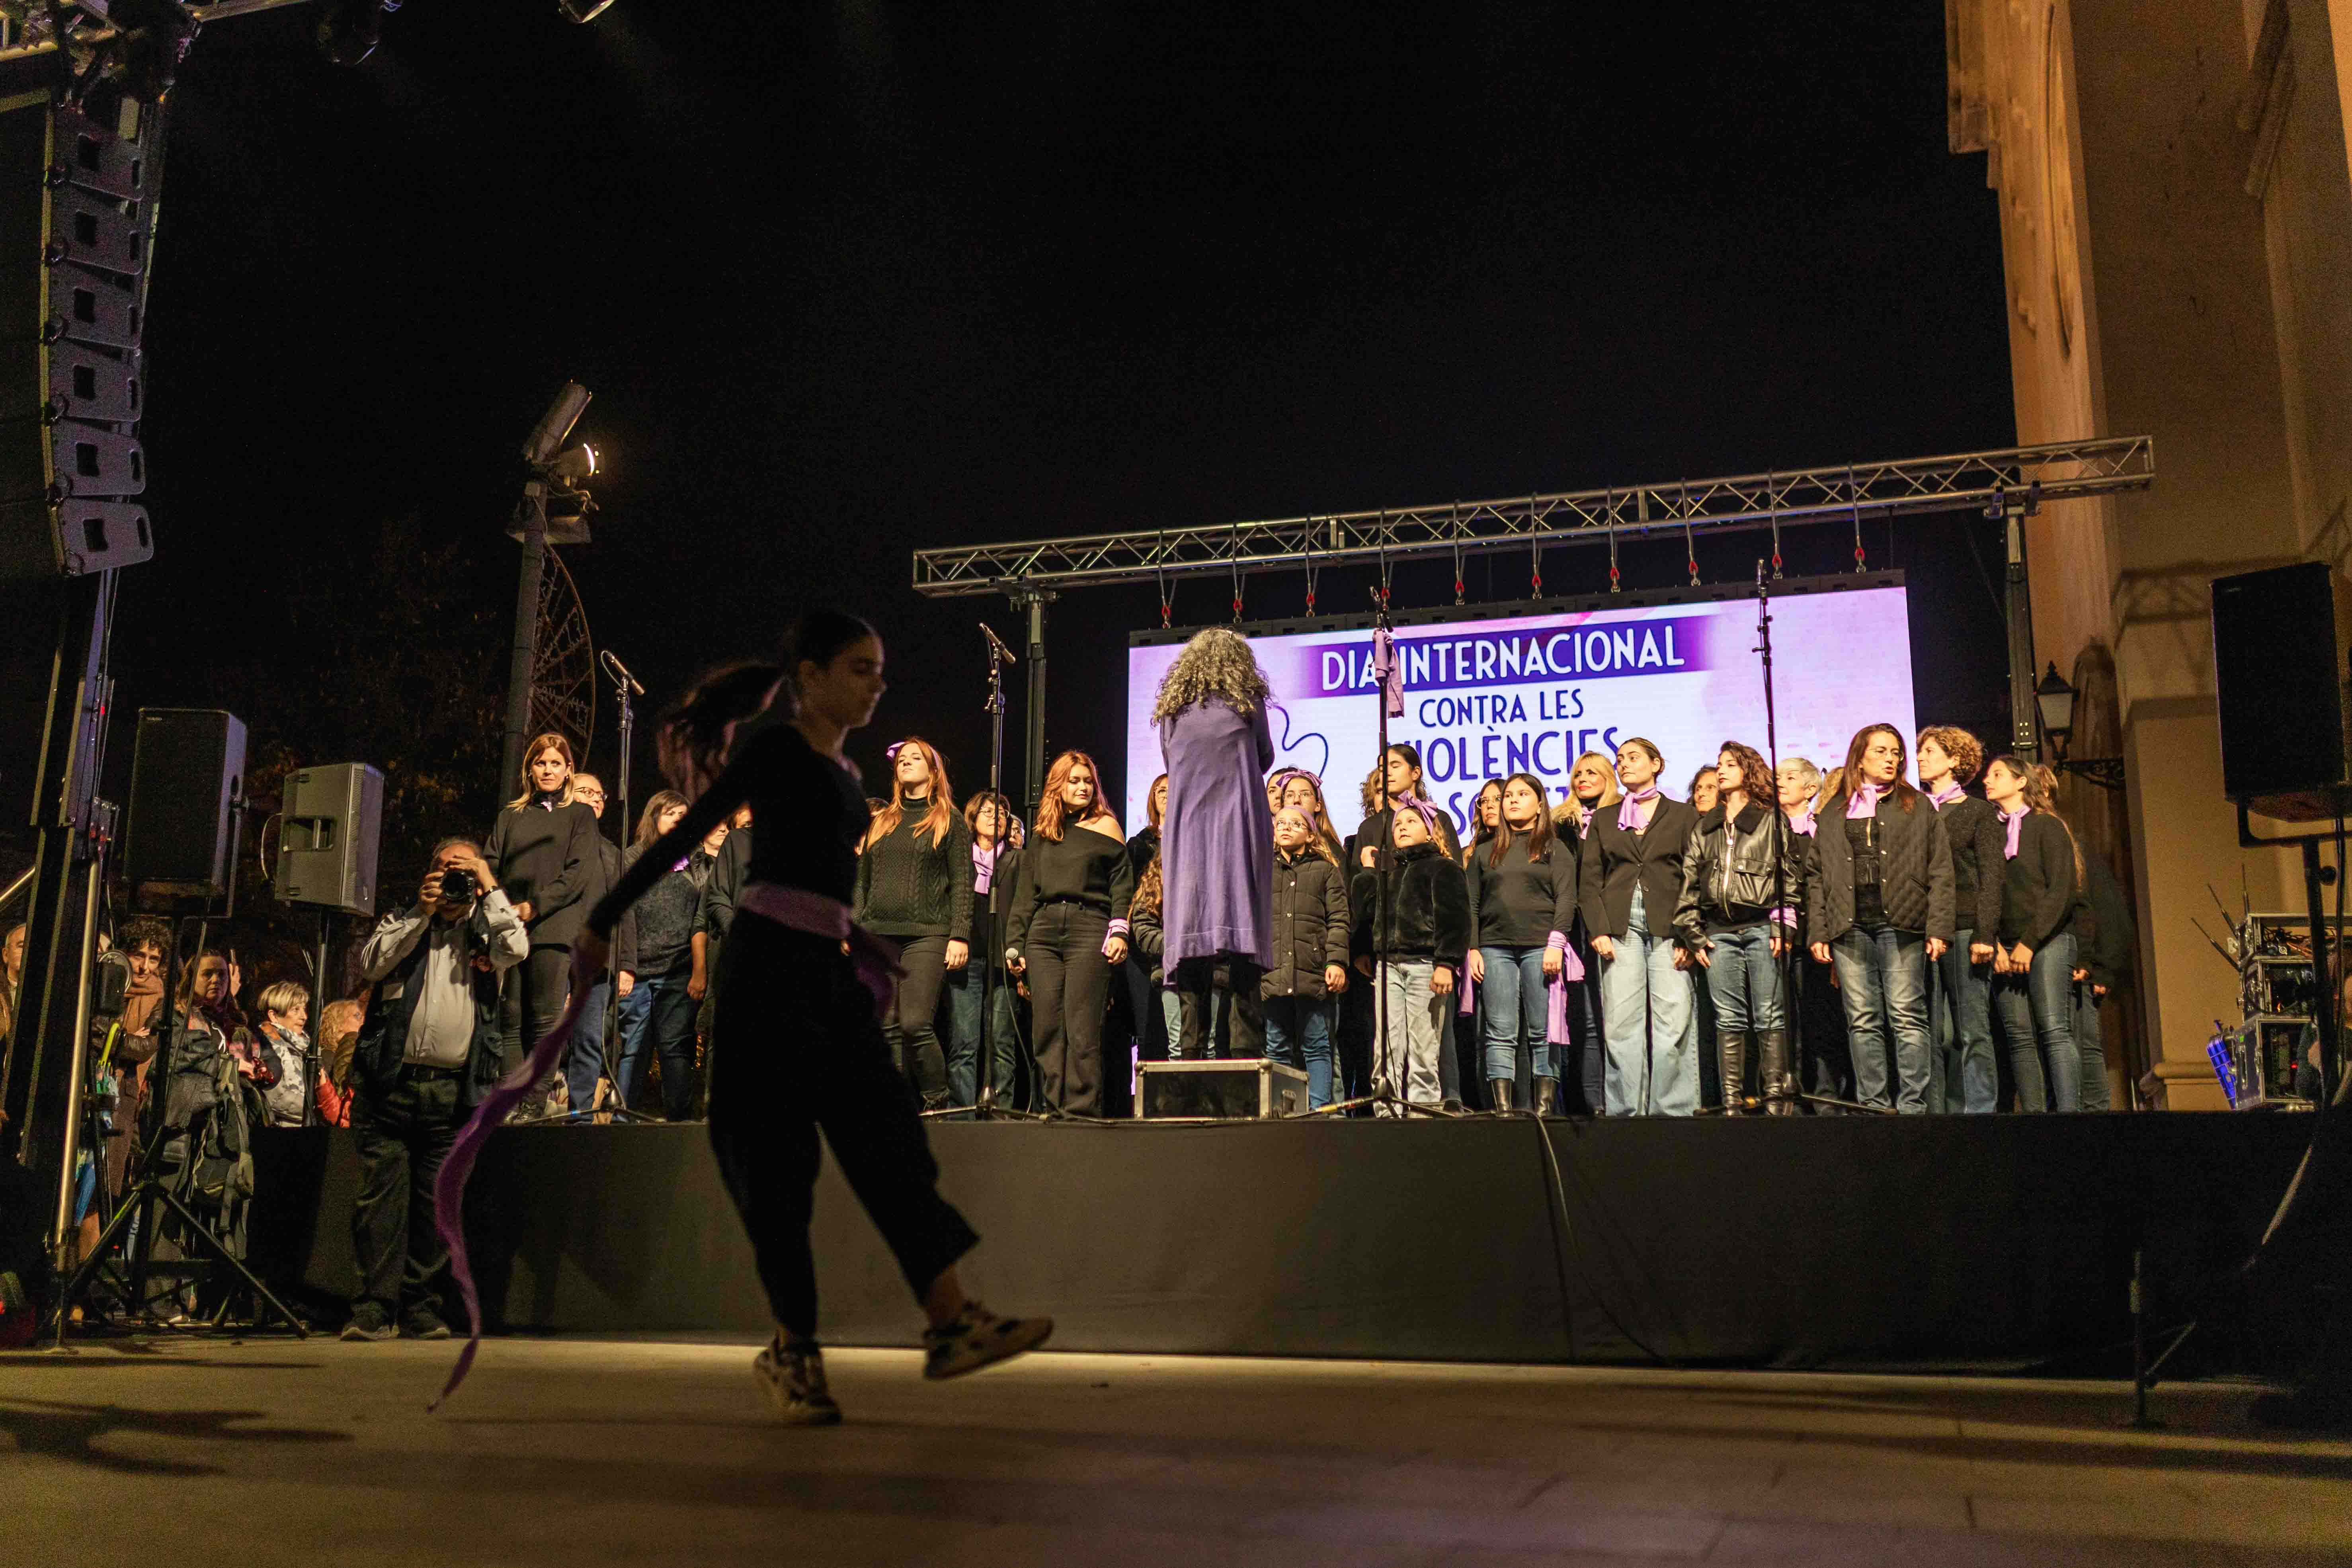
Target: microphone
998, 643
1760, 571
620, 672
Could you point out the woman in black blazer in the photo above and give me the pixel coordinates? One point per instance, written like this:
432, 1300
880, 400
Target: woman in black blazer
1629, 881
542, 849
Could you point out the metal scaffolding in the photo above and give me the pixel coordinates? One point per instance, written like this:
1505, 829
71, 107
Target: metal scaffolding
1854, 493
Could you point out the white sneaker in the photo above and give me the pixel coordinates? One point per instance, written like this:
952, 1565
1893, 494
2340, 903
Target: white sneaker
978, 1338
794, 1382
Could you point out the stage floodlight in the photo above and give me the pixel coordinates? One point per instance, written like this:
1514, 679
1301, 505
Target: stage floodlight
555, 425
581, 10
575, 466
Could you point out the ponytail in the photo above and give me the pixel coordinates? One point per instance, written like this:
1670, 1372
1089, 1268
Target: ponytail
691, 736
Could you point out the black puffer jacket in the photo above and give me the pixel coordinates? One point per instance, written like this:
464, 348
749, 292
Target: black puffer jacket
1310, 924
1716, 897
1917, 862
1429, 909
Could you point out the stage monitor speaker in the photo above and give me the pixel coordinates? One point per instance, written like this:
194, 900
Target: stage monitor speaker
77, 210
2280, 688
332, 819
187, 781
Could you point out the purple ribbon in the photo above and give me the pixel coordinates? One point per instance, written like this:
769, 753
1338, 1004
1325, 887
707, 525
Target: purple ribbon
1388, 670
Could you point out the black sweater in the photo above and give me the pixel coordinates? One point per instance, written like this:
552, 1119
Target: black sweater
1521, 902
667, 917
1429, 909
2040, 891
909, 886
785, 780
1978, 841
541, 856
1082, 867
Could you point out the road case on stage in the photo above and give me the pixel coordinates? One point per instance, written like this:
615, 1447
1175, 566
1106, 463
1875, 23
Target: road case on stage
1219, 1092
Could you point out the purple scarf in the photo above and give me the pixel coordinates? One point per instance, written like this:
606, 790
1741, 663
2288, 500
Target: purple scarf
983, 867
1634, 812
2015, 823
1944, 793
1801, 822
1864, 800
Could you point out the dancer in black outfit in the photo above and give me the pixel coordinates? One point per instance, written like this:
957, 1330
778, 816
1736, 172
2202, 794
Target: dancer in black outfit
824, 1063
914, 886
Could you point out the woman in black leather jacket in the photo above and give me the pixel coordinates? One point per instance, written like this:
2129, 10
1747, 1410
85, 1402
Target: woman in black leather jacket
1732, 918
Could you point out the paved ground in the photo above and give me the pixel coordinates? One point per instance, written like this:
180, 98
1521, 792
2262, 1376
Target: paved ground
573, 1452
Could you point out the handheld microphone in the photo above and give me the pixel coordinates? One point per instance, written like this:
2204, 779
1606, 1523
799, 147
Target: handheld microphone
621, 672
998, 643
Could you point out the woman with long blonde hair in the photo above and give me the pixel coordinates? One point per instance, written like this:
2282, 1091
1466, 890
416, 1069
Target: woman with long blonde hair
542, 850
914, 886
1216, 846
1069, 929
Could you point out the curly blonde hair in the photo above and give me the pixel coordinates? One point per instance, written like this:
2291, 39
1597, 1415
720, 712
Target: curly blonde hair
1217, 662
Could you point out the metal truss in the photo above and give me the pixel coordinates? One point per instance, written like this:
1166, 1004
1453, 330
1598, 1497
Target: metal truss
2012, 480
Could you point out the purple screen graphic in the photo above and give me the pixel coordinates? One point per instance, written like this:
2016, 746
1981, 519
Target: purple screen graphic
1529, 693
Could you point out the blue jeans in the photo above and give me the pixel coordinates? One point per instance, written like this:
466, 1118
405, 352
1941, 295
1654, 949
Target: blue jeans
1298, 1034
1650, 1024
1743, 978
1883, 975
2090, 1050
963, 1037
1960, 1076
1515, 1009
2036, 1010
657, 1020
584, 1063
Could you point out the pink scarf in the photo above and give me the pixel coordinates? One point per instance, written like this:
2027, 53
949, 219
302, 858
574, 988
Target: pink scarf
1634, 812
983, 867
1801, 822
2015, 822
1947, 792
1864, 800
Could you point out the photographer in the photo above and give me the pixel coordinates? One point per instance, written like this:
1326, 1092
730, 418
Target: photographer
428, 1050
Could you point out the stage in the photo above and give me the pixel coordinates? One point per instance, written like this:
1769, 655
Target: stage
1862, 1242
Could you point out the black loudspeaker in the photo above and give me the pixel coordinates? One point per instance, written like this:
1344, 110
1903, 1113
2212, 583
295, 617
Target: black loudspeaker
326, 848
2281, 690
188, 782
77, 211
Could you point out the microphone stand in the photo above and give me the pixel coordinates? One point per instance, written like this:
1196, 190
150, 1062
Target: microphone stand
608, 1068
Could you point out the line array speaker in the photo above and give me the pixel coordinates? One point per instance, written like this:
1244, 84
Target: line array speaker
76, 213
327, 846
187, 780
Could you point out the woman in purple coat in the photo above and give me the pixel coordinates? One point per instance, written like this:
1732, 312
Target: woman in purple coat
1217, 841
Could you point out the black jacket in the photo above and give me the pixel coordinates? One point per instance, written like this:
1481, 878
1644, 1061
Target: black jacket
731, 868
1714, 900
2109, 956
1613, 859
996, 906
910, 886
2040, 896
1521, 902
1429, 909
664, 921
1310, 924
543, 859
1973, 828
1915, 859
603, 867
1147, 939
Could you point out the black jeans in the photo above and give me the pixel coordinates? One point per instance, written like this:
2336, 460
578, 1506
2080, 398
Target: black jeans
1069, 986
535, 990
825, 1066
404, 1135
912, 1024
1196, 987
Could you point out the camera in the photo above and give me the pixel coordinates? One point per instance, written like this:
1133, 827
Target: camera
458, 886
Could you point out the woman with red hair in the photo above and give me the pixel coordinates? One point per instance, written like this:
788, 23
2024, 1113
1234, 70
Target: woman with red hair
1069, 929
914, 886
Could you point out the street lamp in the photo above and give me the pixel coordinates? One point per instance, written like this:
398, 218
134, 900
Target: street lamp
2053, 703
562, 474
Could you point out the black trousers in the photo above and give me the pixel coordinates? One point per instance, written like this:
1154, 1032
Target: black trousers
1197, 983
912, 1025
404, 1135
784, 1077
1069, 987
532, 1001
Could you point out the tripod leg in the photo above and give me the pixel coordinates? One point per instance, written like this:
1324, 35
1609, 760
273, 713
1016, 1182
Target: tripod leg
87, 1270
220, 1250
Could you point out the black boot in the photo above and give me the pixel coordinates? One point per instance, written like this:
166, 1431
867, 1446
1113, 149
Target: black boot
1777, 1072
1498, 1095
1546, 1095
1732, 1064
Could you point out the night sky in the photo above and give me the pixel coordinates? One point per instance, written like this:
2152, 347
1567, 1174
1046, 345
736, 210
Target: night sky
848, 280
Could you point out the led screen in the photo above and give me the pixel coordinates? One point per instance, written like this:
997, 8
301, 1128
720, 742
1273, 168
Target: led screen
1490, 696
